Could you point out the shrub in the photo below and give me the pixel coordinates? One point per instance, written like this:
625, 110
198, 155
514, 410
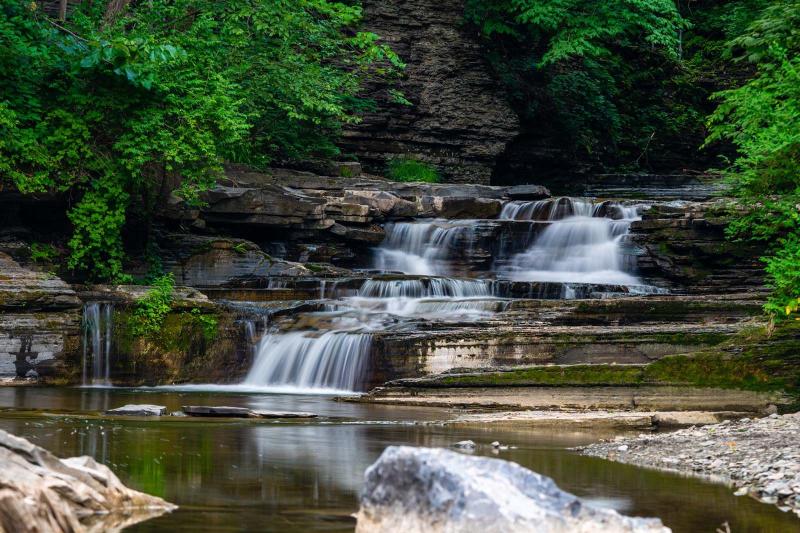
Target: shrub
150, 311
43, 252
406, 170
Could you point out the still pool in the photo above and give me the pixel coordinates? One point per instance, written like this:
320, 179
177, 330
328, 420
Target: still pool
305, 475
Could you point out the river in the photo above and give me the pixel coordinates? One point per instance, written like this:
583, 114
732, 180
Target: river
305, 475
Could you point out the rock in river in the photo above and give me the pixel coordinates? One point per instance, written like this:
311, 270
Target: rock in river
143, 409
434, 490
42, 493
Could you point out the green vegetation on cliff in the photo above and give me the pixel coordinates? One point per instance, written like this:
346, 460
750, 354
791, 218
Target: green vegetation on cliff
124, 102
762, 119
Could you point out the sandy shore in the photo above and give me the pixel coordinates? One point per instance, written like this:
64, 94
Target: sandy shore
758, 457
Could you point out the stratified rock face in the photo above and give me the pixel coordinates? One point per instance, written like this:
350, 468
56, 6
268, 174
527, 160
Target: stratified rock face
39, 320
41, 493
685, 244
460, 120
433, 490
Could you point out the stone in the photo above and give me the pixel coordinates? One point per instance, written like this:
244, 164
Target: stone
203, 261
43, 493
528, 192
40, 319
460, 119
138, 410
434, 490
373, 235
465, 445
217, 411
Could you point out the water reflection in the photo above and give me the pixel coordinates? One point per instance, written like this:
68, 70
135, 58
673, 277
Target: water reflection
305, 476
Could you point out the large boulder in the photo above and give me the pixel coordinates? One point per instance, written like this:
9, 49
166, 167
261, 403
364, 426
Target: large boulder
41, 493
433, 490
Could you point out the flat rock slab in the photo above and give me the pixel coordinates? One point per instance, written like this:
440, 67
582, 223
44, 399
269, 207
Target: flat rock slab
217, 411
240, 412
138, 410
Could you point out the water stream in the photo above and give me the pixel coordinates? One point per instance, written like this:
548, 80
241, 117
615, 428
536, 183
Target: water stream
570, 242
98, 325
581, 243
298, 477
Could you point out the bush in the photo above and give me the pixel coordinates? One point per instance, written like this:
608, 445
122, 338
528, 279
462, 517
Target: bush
406, 170
150, 312
43, 252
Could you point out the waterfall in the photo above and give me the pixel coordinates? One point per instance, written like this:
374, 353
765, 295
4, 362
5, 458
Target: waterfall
423, 248
581, 243
426, 288
334, 360
98, 322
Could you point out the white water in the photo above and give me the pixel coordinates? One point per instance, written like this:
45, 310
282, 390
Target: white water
422, 248
329, 350
333, 360
579, 245
97, 334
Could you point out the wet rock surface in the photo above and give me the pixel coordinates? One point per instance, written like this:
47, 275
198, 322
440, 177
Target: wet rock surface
138, 410
434, 490
759, 457
39, 492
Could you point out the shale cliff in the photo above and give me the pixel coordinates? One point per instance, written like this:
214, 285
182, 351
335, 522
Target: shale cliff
459, 119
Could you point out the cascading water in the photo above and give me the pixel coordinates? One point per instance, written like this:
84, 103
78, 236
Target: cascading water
572, 242
422, 248
581, 243
98, 325
334, 360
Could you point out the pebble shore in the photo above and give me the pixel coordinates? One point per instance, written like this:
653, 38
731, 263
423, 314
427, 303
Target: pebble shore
758, 457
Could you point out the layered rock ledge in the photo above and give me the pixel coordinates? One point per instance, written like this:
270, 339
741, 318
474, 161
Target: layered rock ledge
433, 490
759, 457
41, 493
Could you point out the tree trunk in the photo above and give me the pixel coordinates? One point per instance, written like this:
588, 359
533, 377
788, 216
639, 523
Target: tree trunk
62, 9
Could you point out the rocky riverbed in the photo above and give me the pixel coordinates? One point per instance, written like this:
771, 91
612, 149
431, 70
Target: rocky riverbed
759, 457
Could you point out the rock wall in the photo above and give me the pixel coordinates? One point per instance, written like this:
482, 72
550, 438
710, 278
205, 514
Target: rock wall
459, 120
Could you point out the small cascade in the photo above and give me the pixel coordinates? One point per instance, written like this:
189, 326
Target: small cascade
334, 360
423, 248
580, 244
426, 288
98, 322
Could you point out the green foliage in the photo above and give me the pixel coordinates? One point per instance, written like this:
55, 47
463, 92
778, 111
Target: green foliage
43, 252
597, 73
151, 310
120, 111
207, 323
240, 248
762, 119
411, 170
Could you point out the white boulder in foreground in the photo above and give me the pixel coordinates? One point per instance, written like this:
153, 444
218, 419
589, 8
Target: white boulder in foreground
41, 493
438, 491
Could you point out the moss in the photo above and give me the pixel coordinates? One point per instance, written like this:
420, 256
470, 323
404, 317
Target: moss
184, 347
756, 359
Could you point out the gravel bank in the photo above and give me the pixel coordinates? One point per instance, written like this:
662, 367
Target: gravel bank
759, 457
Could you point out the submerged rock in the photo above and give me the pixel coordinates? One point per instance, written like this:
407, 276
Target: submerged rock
434, 490
143, 409
41, 493
240, 412
217, 411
